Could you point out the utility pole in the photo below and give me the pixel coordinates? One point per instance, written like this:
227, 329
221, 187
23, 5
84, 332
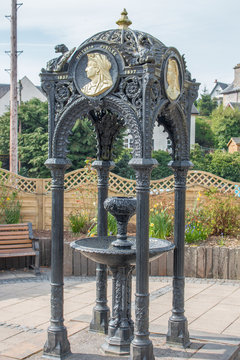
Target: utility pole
13, 151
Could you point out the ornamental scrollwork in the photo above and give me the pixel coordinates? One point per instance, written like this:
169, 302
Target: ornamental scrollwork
141, 313
130, 90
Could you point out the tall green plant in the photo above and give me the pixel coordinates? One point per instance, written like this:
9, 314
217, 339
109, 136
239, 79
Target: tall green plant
160, 222
10, 206
112, 226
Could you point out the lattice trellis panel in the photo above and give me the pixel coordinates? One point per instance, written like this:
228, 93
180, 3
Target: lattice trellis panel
46, 185
18, 182
208, 180
162, 185
75, 179
117, 184
121, 185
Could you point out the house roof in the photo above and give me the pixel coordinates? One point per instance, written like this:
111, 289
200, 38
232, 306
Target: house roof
194, 110
4, 88
234, 105
221, 84
231, 89
235, 139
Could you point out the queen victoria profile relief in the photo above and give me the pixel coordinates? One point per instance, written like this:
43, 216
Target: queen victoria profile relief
98, 71
173, 89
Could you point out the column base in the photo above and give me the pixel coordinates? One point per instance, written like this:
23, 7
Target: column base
111, 348
100, 321
178, 333
57, 345
141, 351
118, 340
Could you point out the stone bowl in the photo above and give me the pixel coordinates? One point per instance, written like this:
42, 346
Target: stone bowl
101, 250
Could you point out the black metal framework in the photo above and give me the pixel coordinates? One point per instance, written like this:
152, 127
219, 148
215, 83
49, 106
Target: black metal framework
147, 82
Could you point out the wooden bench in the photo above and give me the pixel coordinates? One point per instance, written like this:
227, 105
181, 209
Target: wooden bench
17, 240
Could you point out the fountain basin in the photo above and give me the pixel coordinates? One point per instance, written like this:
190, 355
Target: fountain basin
101, 250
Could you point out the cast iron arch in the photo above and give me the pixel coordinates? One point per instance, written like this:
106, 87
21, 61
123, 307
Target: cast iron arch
83, 106
173, 119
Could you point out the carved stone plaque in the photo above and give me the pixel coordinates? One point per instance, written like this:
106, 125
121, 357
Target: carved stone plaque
96, 73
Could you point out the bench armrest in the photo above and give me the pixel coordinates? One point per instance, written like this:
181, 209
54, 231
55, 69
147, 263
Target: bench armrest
35, 242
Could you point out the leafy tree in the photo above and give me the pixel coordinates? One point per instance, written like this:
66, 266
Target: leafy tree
33, 152
162, 170
32, 115
225, 124
224, 164
82, 144
4, 130
205, 104
199, 158
204, 135
121, 165
33, 139
219, 162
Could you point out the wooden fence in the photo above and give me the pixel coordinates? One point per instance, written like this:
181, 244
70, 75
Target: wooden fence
81, 192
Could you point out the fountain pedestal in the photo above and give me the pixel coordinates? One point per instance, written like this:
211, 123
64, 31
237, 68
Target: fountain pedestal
119, 253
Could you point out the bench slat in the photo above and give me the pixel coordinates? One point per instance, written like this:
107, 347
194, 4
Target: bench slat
14, 226
15, 253
17, 232
15, 246
12, 236
14, 241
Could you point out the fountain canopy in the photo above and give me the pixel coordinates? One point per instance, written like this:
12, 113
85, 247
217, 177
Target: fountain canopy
120, 77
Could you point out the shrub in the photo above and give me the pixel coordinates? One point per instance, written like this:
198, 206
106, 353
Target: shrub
223, 212
79, 222
196, 228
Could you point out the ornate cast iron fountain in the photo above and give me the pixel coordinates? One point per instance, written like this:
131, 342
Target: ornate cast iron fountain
117, 78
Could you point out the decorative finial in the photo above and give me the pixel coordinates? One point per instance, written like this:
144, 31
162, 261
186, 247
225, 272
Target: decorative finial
124, 21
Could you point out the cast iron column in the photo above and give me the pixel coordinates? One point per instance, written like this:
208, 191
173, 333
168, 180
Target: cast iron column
141, 346
101, 311
57, 344
177, 324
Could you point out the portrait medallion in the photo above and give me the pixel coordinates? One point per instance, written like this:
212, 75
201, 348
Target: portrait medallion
95, 73
173, 81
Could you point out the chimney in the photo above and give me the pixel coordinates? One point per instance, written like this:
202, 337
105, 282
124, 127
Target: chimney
215, 81
236, 81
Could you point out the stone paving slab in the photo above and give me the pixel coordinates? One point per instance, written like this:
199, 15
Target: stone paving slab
25, 313
83, 349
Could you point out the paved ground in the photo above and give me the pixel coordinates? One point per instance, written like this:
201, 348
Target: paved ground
212, 308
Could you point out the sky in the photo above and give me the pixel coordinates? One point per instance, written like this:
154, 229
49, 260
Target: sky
206, 31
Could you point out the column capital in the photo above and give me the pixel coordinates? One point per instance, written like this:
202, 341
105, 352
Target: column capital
143, 168
57, 167
141, 163
180, 170
103, 164
103, 167
58, 163
180, 164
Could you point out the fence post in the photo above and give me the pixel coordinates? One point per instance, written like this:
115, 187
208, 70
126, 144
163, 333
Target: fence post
39, 196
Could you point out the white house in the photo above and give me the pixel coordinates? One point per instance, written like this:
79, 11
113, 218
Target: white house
216, 92
26, 91
232, 93
228, 94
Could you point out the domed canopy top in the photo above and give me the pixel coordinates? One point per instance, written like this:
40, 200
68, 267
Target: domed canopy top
126, 73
